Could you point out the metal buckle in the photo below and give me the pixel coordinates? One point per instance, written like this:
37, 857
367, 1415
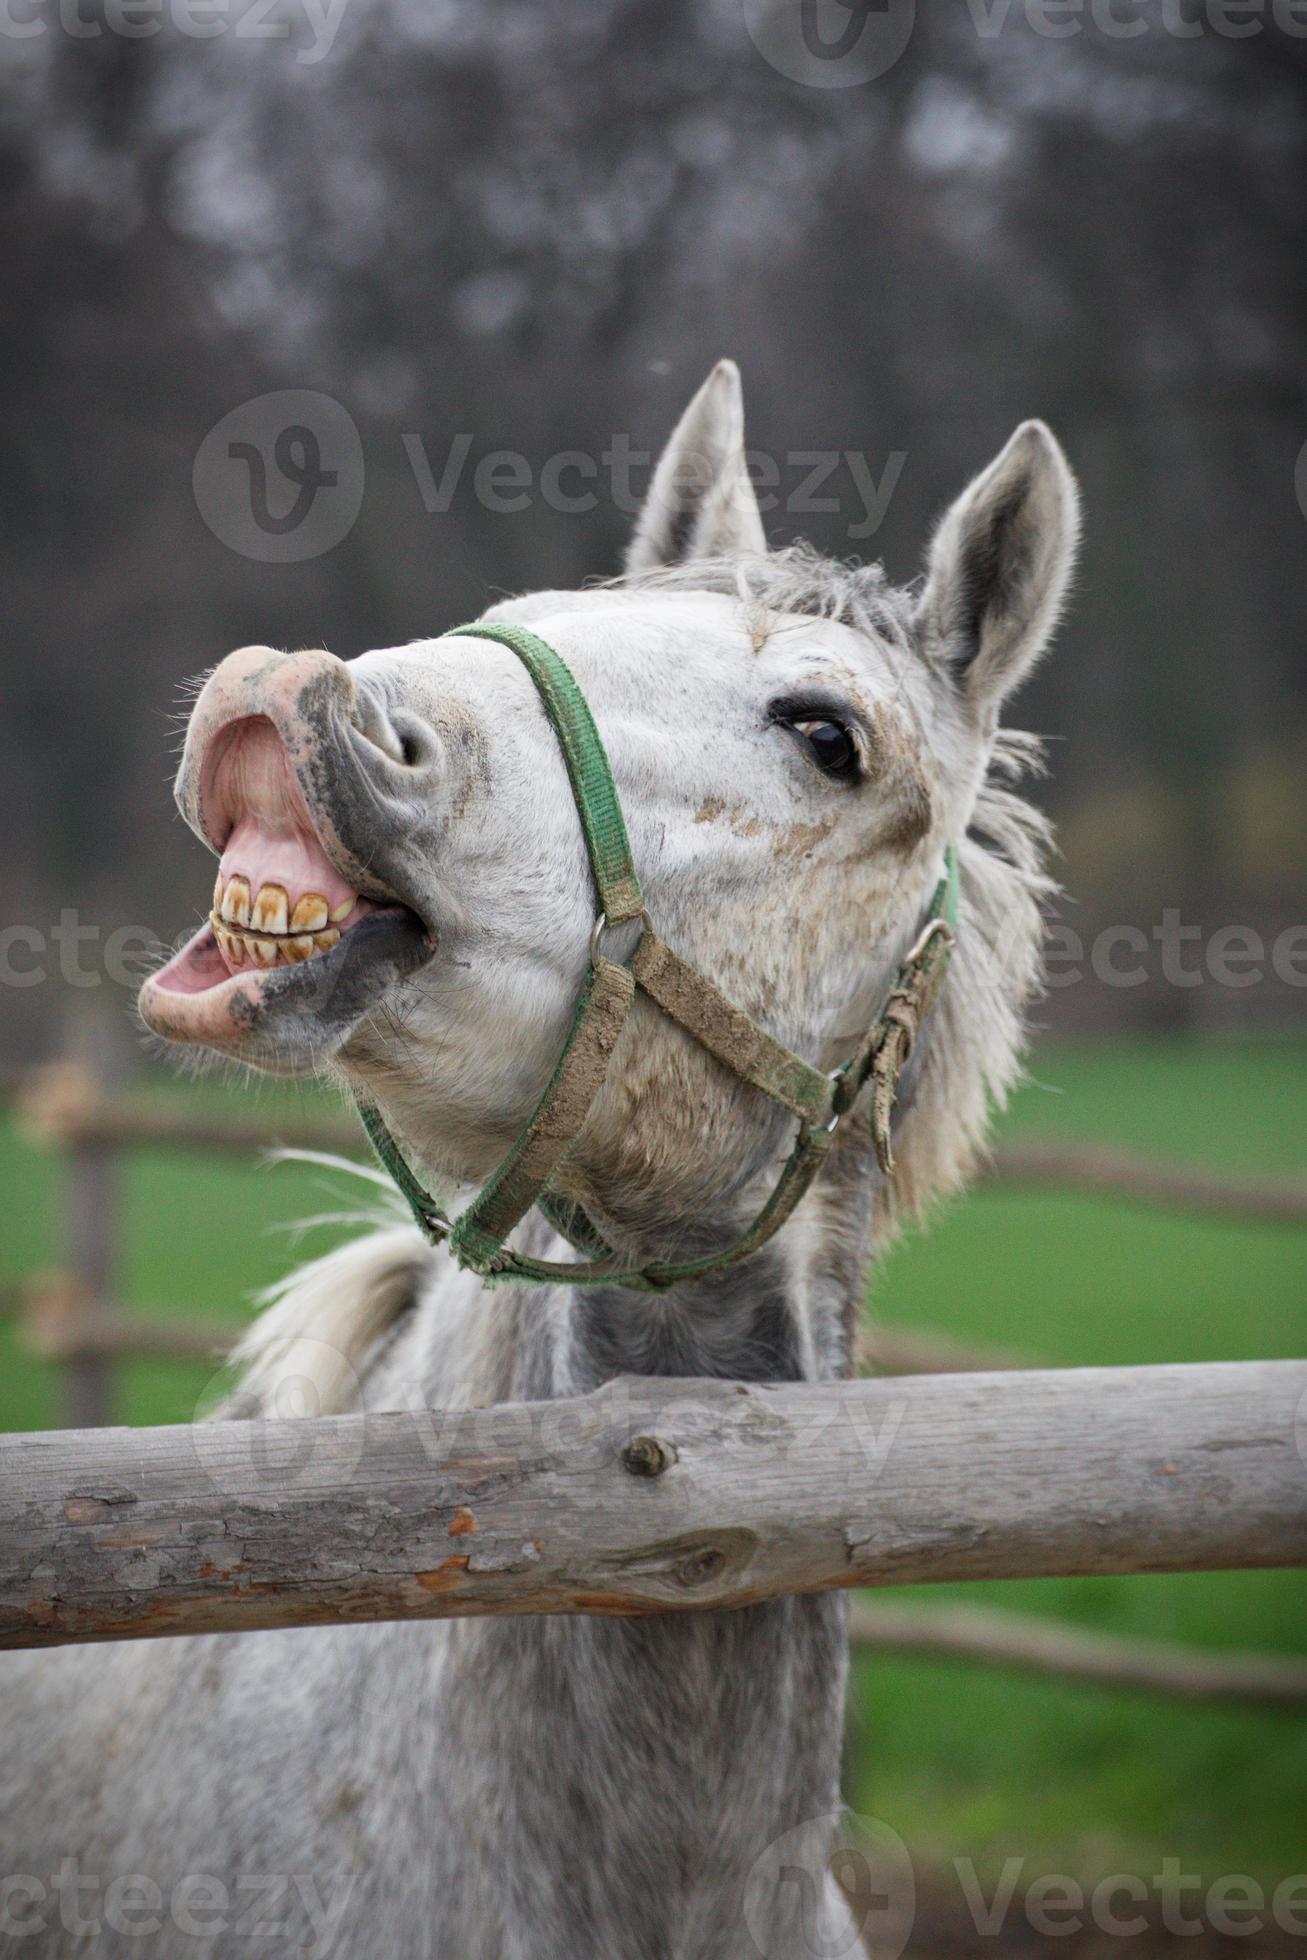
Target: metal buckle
601, 924
931, 929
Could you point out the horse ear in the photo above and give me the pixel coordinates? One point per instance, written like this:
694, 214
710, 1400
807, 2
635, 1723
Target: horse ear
701, 503
999, 567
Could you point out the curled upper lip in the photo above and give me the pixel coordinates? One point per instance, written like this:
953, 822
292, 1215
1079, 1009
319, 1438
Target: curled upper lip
337, 745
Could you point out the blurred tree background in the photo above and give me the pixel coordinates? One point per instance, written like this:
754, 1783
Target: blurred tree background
536, 227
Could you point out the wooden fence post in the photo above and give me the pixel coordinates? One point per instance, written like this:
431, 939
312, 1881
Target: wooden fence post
90, 1198
60, 1104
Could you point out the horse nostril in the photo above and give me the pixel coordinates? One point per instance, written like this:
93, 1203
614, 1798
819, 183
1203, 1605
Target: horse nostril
401, 738
411, 741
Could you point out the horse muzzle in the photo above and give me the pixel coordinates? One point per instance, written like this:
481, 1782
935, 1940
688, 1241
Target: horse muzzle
298, 781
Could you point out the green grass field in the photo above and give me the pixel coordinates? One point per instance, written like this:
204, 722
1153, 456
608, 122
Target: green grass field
962, 1762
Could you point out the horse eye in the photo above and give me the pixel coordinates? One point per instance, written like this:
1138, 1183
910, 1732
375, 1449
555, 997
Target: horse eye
833, 748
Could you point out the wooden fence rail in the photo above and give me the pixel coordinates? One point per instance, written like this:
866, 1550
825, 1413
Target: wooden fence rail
61, 1105
71, 1318
650, 1496
1093, 1169
981, 1635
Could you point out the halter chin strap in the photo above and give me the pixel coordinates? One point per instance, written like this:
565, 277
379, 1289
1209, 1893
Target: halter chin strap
819, 1101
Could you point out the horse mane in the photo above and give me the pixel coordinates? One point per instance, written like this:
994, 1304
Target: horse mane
795, 578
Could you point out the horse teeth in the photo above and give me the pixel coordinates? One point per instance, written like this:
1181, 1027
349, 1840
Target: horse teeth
236, 902
310, 913
268, 930
271, 911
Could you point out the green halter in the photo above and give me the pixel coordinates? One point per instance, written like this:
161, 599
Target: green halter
476, 1238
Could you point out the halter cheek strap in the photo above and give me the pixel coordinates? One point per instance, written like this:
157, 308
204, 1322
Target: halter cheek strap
819, 1101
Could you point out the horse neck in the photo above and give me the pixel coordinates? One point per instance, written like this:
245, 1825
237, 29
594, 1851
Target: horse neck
654, 1760
788, 1313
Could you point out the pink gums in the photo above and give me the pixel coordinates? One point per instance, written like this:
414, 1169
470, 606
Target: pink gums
271, 840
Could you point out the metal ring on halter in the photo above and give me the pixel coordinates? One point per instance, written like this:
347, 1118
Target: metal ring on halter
934, 928
601, 926
835, 1075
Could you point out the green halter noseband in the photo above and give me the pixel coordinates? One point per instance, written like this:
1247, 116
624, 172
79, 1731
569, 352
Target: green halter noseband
818, 1100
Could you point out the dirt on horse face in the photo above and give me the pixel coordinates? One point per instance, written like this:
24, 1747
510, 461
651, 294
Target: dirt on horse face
404, 901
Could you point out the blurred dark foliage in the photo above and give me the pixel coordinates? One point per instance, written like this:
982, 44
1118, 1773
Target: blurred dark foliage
539, 226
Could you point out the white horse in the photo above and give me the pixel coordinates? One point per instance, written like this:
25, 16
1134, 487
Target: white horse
404, 902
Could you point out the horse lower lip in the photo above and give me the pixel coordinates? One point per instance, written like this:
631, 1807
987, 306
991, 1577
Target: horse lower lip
262, 1014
